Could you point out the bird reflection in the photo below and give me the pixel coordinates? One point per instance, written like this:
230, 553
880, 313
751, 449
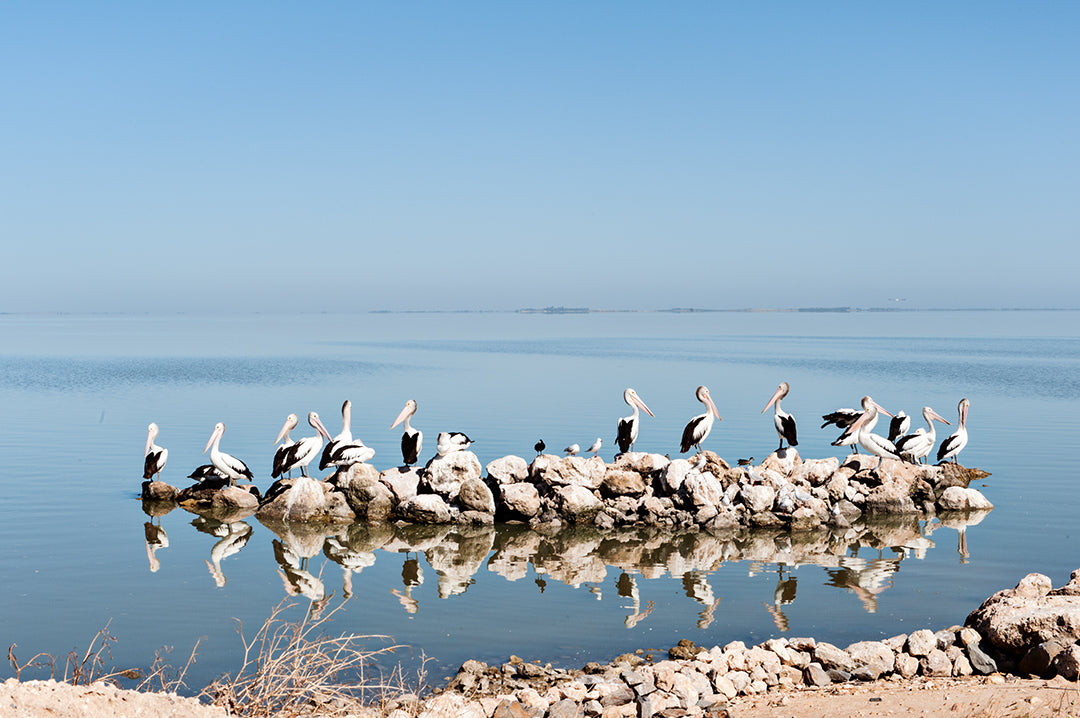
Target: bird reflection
350, 560
298, 581
233, 536
866, 578
783, 594
156, 538
411, 576
626, 586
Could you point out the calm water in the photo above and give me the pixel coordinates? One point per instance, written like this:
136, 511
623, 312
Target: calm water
78, 393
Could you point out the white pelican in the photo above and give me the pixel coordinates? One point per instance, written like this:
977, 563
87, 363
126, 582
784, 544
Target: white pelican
343, 438
783, 421
918, 445
451, 441
899, 426
874, 444
628, 425
699, 427
300, 454
955, 443
413, 439
281, 456
595, 448
539, 446
572, 450
850, 437
349, 454
229, 466
156, 456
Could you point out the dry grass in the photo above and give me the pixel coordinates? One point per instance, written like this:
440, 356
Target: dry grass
295, 668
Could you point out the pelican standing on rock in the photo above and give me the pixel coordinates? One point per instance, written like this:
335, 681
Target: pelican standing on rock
955, 443
155, 456
301, 453
783, 421
345, 437
899, 426
413, 439
281, 455
227, 465
699, 427
917, 446
451, 441
874, 444
628, 425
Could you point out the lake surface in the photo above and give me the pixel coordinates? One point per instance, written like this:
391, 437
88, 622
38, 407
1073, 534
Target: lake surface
81, 553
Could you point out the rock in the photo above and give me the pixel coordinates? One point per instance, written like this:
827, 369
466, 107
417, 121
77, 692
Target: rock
1015, 620
872, 659
475, 495
701, 489
758, 498
425, 509
1037, 661
980, 662
444, 475
673, 475
403, 482
921, 642
622, 483
1067, 663
804, 519
371, 502
815, 675
955, 498
158, 491
907, 666
936, 663
508, 469
300, 499
644, 464
521, 498
569, 471
577, 504
355, 475
782, 461
816, 472
829, 656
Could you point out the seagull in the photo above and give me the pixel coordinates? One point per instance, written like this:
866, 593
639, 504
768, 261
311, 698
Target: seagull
595, 448
955, 443
628, 425
572, 450
783, 421
699, 427
156, 456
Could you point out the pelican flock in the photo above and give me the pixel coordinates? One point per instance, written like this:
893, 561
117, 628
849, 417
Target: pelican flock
345, 450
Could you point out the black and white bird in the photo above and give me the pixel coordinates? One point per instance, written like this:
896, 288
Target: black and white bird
281, 454
628, 425
155, 456
413, 439
229, 466
346, 455
916, 447
343, 438
206, 471
783, 421
595, 448
539, 447
699, 427
451, 441
956, 442
899, 425
301, 453
874, 444
842, 418
572, 450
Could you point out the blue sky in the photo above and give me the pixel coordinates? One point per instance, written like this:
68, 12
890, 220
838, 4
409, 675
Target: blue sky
273, 156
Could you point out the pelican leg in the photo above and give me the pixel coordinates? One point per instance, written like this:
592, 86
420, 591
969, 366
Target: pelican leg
303, 471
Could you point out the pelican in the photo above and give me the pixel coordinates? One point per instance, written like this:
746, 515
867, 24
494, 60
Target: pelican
842, 418
206, 471
955, 443
300, 454
628, 425
281, 456
874, 444
229, 466
595, 448
783, 421
349, 454
918, 445
345, 437
899, 426
451, 441
699, 427
413, 439
539, 446
572, 450
155, 455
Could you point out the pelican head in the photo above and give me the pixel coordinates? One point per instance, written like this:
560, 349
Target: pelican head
781, 392
219, 429
962, 408
313, 419
704, 398
929, 414
290, 423
409, 410
630, 397
151, 434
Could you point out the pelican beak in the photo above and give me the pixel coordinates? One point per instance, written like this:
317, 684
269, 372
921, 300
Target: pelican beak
212, 437
401, 417
149, 442
712, 407
284, 430
882, 409
641, 405
321, 429
777, 395
938, 417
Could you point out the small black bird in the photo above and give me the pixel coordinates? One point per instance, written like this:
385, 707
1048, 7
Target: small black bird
539, 446
746, 462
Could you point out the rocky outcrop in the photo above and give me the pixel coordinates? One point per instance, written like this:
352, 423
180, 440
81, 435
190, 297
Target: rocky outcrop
305, 499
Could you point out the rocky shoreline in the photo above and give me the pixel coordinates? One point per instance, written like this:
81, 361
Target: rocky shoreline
637, 489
